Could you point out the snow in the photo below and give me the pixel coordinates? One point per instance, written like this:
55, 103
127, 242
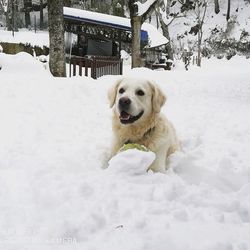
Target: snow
40, 38
143, 7
96, 16
55, 134
131, 161
240, 16
155, 39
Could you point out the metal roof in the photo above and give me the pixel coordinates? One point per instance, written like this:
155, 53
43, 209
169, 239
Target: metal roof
102, 20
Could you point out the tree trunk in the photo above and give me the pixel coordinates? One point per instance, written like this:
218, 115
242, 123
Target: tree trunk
56, 37
168, 5
13, 20
228, 9
15, 15
136, 23
41, 14
8, 20
67, 3
216, 6
27, 9
27, 19
136, 41
157, 20
199, 49
165, 32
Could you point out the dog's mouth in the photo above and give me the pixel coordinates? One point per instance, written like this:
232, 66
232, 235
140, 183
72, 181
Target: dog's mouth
126, 118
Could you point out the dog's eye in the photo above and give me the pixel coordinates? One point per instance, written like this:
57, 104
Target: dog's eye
140, 92
121, 90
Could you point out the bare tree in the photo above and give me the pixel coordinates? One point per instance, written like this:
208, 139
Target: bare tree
56, 37
10, 10
2, 6
200, 11
166, 18
5, 7
137, 19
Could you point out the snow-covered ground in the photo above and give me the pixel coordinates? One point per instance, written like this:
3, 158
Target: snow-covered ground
54, 134
40, 38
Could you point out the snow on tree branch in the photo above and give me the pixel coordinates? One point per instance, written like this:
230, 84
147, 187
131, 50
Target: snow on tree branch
164, 12
169, 20
144, 7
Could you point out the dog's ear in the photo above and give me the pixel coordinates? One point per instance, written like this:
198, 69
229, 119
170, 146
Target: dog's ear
112, 93
158, 97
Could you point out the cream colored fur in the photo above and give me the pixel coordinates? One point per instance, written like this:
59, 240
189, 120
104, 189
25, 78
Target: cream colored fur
152, 130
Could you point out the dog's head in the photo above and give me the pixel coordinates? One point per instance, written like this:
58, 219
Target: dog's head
135, 100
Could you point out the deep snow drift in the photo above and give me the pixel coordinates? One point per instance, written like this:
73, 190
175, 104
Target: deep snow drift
54, 134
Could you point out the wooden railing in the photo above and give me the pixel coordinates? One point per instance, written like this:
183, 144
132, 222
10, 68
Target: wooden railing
95, 66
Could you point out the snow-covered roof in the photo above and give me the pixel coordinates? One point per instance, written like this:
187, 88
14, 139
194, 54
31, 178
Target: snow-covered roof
155, 38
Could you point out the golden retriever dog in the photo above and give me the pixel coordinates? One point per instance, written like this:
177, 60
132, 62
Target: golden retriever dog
137, 118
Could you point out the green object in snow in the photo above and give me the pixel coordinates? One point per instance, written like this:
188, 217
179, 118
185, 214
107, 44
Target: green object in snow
133, 146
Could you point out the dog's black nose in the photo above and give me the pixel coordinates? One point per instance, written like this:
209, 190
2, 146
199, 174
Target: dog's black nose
124, 102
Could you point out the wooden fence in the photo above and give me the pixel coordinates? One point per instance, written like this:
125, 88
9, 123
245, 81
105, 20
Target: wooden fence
95, 66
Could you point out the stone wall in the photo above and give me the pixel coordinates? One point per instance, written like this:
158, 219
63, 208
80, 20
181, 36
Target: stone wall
14, 48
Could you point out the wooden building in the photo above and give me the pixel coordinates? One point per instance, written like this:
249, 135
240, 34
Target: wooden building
92, 33
95, 40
